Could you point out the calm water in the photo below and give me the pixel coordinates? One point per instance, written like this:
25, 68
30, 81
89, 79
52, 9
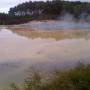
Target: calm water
21, 49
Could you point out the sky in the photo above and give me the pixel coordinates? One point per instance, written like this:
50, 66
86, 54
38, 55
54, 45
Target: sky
5, 5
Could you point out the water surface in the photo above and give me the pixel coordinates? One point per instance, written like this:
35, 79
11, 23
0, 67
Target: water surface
45, 50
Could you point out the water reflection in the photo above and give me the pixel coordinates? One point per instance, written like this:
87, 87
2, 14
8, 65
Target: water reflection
45, 50
57, 35
33, 45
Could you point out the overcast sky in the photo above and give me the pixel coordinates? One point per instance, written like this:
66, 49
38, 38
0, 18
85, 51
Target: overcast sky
6, 4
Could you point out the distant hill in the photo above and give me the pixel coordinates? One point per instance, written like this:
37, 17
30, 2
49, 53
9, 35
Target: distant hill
40, 10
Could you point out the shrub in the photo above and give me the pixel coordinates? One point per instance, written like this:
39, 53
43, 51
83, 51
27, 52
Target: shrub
77, 78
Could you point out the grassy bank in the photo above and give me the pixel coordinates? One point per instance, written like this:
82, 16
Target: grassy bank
77, 78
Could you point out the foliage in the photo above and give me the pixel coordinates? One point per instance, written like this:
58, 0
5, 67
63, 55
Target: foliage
41, 10
73, 79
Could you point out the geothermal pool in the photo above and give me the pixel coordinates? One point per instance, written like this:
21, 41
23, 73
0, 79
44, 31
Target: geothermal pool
57, 25
22, 48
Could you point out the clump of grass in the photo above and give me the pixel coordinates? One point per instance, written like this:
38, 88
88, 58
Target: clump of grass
77, 78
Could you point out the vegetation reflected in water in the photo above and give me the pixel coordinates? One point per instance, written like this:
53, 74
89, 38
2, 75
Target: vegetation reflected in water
45, 50
57, 35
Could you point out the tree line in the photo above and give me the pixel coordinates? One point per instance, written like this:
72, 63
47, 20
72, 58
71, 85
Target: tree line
43, 10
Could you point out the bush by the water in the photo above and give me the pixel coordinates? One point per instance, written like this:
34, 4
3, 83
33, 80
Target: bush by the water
73, 79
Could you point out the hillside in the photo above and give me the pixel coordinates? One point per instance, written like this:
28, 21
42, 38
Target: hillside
40, 10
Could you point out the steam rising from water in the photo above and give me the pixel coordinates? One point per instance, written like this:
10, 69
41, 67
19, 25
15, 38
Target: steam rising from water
57, 25
68, 17
67, 21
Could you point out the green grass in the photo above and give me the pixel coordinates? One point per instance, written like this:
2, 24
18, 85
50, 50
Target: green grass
77, 78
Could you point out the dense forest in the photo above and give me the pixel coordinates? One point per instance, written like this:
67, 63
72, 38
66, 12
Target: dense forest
41, 10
